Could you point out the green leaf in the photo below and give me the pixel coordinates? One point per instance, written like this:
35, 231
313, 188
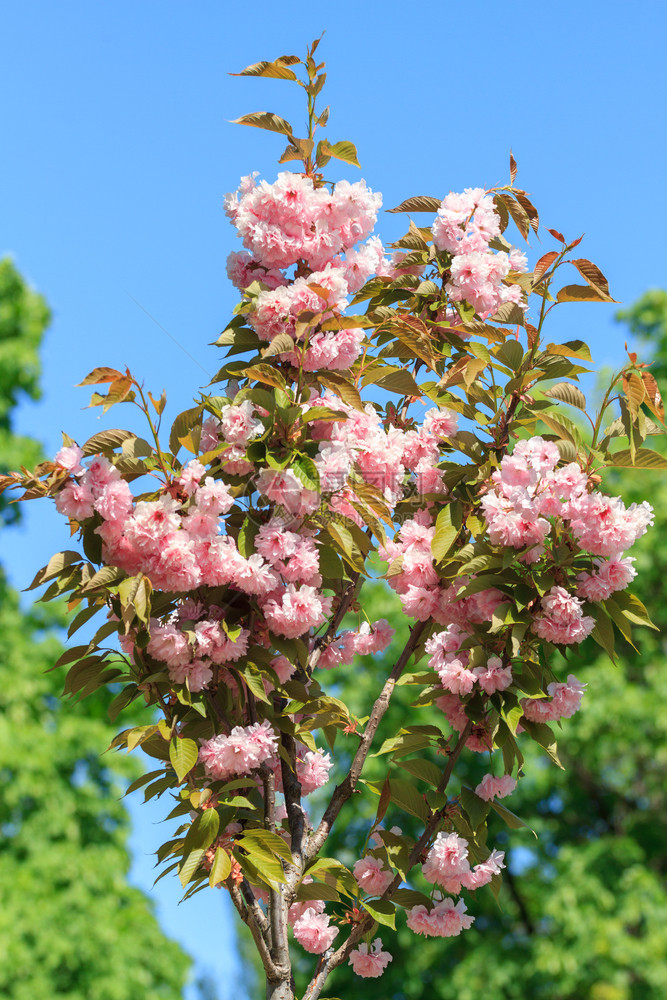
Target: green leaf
382, 911
543, 735
567, 393
511, 819
419, 203
343, 150
106, 441
342, 387
266, 120
55, 565
282, 343
644, 458
570, 349
422, 769
183, 755
221, 867
258, 841
190, 865
203, 831
317, 890
277, 70
476, 808
399, 381
406, 797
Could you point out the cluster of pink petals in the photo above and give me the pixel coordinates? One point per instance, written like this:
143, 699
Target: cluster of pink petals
313, 932
495, 788
296, 610
445, 919
528, 490
367, 640
563, 701
609, 576
605, 526
243, 751
561, 618
414, 578
312, 770
372, 876
190, 655
463, 227
480, 739
292, 220
370, 962
451, 663
447, 865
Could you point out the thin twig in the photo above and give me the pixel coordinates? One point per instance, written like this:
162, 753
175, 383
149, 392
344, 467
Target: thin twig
343, 791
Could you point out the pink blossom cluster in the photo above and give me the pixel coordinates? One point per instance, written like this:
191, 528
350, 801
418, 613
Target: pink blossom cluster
293, 221
313, 931
561, 618
192, 654
412, 574
367, 640
370, 962
528, 490
464, 226
447, 865
372, 876
495, 788
563, 701
444, 919
451, 663
243, 751
532, 500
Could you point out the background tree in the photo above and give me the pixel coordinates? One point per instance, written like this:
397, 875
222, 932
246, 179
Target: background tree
583, 909
70, 925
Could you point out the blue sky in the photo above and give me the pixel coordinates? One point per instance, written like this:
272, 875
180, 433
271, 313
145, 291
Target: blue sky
117, 151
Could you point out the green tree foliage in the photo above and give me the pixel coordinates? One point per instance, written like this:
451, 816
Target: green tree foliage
70, 925
583, 908
24, 315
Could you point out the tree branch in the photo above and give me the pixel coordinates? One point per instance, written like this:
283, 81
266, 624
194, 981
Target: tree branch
358, 931
248, 918
343, 791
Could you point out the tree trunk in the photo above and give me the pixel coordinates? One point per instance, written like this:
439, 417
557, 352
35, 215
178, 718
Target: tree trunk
282, 990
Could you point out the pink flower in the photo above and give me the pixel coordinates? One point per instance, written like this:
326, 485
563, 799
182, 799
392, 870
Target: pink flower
313, 770
239, 425
299, 610
444, 920
190, 476
611, 576
441, 423
75, 501
370, 963
313, 932
372, 876
240, 752
284, 488
493, 677
483, 873
115, 501
495, 788
446, 860
69, 458
169, 645
604, 526
197, 674
561, 618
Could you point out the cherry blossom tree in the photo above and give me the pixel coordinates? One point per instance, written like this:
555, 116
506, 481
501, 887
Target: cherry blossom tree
424, 437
